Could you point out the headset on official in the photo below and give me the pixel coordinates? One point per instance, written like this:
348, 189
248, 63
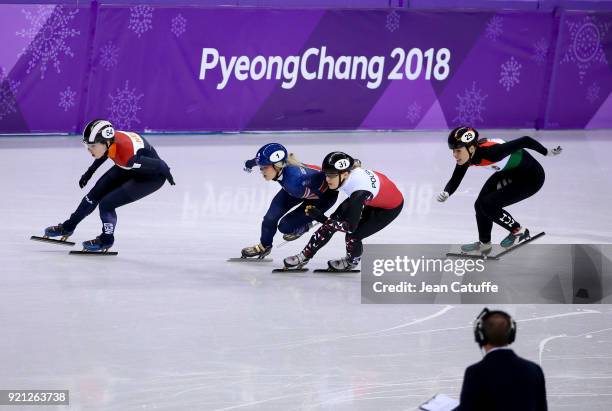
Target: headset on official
479, 333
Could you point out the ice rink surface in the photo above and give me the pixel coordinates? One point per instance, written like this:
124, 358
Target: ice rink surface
168, 324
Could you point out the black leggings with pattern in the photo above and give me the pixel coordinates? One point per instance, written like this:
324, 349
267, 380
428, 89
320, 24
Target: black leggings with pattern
373, 219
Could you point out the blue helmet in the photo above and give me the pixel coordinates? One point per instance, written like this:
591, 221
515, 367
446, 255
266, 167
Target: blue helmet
271, 153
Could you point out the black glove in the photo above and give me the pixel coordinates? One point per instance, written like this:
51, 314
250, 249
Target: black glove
165, 171
313, 212
249, 164
84, 179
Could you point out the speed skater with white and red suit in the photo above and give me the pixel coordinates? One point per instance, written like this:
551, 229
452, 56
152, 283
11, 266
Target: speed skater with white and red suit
373, 203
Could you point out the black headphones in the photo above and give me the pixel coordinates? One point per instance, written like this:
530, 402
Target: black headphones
479, 333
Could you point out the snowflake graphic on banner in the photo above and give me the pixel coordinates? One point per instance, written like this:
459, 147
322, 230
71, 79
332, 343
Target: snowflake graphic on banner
471, 106
66, 99
393, 21
124, 107
141, 19
179, 25
8, 89
510, 73
540, 50
585, 44
592, 94
414, 112
109, 56
494, 28
49, 33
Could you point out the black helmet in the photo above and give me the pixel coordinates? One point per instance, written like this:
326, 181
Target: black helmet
462, 136
98, 131
337, 162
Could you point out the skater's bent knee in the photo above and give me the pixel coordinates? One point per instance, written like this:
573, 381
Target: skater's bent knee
271, 220
91, 199
483, 205
285, 227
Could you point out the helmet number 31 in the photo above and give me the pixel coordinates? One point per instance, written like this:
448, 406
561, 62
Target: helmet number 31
342, 164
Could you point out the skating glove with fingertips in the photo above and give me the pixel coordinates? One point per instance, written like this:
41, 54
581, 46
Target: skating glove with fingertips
442, 197
84, 179
315, 213
249, 164
554, 151
91, 170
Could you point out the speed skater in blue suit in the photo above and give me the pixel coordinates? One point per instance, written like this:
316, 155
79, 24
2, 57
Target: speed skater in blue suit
301, 185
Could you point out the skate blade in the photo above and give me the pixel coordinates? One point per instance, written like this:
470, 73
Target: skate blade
52, 240
473, 256
290, 270
333, 271
85, 252
515, 246
249, 260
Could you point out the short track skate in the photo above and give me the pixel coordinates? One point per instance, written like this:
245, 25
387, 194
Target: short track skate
249, 260
335, 271
290, 270
61, 241
102, 252
498, 255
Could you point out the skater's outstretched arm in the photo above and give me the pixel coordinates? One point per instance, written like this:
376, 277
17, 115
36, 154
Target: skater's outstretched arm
456, 178
499, 151
91, 170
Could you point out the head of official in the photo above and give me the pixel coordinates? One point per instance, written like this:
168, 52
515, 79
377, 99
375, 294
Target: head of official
494, 329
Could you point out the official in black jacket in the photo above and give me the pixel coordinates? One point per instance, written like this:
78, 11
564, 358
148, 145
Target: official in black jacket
501, 381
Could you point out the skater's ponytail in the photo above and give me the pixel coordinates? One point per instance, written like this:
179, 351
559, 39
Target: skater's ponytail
293, 161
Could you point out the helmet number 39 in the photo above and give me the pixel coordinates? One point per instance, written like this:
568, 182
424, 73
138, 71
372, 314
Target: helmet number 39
277, 156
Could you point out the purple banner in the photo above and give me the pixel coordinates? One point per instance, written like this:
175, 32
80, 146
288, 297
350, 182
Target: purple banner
232, 69
581, 84
43, 64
